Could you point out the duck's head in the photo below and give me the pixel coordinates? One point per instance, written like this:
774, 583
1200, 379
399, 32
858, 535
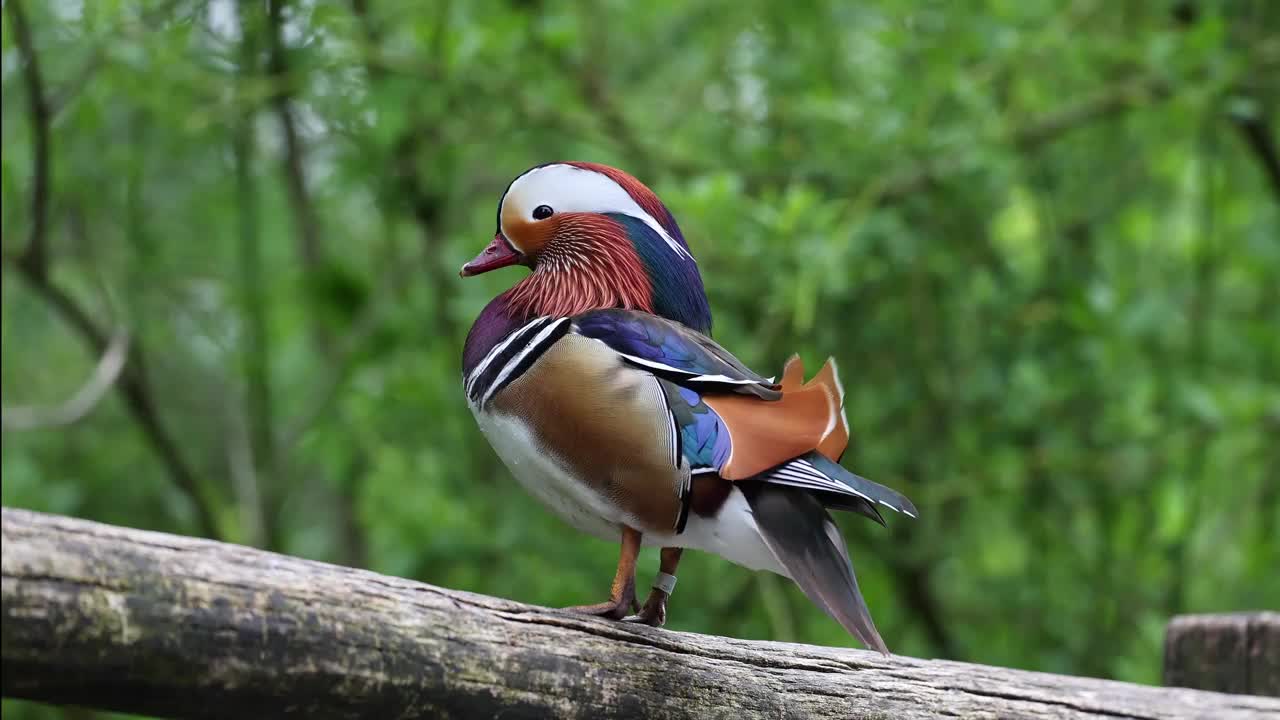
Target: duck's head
595, 237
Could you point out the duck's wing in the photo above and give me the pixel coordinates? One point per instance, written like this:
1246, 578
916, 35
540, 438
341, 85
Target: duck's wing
673, 352
738, 424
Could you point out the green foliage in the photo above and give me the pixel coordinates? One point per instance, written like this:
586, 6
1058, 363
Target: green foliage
1038, 236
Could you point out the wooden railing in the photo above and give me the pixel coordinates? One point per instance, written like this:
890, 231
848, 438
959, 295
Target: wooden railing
120, 619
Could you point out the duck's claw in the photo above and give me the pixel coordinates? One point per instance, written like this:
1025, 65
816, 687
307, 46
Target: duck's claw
654, 612
612, 609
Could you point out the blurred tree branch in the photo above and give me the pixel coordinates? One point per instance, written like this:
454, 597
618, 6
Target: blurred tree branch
34, 257
309, 245
1201, 303
339, 353
97, 56
1257, 133
590, 82
85, 399
916, 590
138, 397
33, 265
1106, 102
934, 413
425, 205
63, 97
304, 215
1254, 124
593, 87
257, 451
346, 350
1103, 103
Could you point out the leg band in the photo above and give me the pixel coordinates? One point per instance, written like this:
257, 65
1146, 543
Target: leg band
664, 582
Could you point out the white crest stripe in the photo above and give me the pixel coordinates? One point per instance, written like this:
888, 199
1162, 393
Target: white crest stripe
569, 188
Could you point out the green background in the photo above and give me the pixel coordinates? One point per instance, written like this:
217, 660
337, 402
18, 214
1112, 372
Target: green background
1039, 236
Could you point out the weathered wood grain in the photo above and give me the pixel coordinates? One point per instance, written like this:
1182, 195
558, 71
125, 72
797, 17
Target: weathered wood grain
137, 621
1233, 652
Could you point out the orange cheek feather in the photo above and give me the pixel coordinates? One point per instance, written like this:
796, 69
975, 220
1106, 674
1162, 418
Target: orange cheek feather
528, 236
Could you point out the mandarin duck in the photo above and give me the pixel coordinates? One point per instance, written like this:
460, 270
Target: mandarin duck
595, 380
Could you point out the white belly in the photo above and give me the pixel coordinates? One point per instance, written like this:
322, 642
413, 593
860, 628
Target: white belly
549, 480
732, 533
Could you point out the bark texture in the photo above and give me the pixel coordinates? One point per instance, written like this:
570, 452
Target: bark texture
1235, 652
127, 620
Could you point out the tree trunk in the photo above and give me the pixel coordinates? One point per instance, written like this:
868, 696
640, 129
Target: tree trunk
144, 622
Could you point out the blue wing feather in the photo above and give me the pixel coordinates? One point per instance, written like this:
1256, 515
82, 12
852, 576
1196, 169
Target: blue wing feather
704, 438
672, 351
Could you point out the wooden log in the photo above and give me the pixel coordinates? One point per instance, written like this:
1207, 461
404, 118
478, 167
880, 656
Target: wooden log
1235, 652
122, 619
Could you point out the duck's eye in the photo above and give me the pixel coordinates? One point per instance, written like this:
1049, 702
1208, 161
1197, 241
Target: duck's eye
542, 212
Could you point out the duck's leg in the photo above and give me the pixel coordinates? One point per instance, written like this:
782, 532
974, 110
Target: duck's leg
622, 596
654, 611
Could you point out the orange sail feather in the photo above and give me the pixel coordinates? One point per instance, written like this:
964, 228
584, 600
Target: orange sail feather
808, 416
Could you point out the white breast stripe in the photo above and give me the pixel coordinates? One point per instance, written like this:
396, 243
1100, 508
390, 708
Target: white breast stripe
493, 352
484, 364
514, 362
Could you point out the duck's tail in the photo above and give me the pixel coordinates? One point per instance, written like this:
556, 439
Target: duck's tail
806, 542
